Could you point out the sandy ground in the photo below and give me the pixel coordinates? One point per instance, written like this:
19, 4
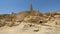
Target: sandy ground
30, 30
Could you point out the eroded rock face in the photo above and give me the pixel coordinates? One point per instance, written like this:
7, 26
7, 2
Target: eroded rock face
31, 27
21, 16
27, 17
32, 19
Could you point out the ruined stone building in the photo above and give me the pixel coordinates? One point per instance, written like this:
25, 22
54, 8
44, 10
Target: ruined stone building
33, 12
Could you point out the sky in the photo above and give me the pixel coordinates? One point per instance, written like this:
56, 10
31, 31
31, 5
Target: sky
9, 6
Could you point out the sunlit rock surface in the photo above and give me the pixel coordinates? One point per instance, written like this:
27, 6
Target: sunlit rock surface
30, 28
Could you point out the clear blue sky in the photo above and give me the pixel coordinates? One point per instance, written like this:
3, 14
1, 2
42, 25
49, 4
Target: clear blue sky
8, 6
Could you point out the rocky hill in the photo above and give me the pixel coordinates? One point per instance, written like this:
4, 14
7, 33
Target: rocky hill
30, 22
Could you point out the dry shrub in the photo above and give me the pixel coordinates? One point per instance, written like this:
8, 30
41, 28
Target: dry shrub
36, 30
